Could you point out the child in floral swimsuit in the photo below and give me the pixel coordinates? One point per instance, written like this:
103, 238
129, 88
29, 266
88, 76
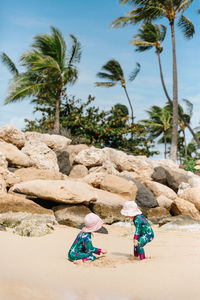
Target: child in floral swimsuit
82, 248
143, 233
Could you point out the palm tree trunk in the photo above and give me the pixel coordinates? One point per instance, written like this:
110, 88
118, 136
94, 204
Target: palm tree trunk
171, 102
173, 152
132, 117
165, 143
185, 143
57, 114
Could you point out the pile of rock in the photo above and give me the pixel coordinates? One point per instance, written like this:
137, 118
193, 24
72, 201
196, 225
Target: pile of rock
45, 180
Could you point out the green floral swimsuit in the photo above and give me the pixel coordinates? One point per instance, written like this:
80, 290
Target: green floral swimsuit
82, 248
143, 234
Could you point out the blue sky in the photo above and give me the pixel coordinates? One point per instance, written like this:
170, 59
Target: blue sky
90, 21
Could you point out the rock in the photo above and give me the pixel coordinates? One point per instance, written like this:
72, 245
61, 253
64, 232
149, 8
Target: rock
66, 191
197, 167
119, 185
2, 185
71, 215
94, 179
41, 156
14, 156
108, 206
53, 141
159, 189
78, 171
171, 178
198, 162
90, 157
2, 227
183, 207
107, 168
29, 174
73, 150
63, 162
11, 134
191, 195
32, 228
133, 175
194, 181
165, 163
164, 202
144, 197
178, 220
157, 213
3, 161
13, 203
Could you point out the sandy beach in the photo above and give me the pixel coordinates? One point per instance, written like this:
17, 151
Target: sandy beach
37, 268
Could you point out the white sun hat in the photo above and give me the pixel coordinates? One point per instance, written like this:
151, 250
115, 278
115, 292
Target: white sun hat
130, 209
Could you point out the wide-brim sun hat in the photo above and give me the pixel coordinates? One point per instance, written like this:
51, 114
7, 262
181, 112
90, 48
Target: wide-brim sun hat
130, 209
92, 223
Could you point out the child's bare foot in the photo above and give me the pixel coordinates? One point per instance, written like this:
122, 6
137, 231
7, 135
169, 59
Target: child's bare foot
104, 251
78, 262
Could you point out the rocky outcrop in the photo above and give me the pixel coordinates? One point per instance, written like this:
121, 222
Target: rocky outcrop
94, 179
32, 228
192, 195
72, 215
73, 151
183, 207
159, 189
144, 197
63, 162
41, 156
108, 206
53, 141
91, 157
14, 156
62, 191
155, 214
78, 171
118, 185
171, 178
12, 135
29, 174
164, 202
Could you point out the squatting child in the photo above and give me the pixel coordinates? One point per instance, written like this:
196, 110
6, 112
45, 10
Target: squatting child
82, 248
143, 233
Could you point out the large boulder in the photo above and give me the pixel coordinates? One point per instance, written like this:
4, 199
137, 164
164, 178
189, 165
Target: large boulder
108, 168
192, 195
157, 213
108, 206
179, 222
53, 141
159, 189
183, 207
28, 174
165, 163
11, 134
144, 197
62, 191
90, 157
78, 171
171, 178
164, 202
63, 162
32, 228
14, 156
41, 156
73, 150
119, 185
72, 215
94, 179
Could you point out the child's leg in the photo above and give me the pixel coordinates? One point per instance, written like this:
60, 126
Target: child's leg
136, 254
142, 241
84, 256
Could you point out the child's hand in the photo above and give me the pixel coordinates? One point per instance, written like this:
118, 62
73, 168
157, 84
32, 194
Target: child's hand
135, 242
104, 251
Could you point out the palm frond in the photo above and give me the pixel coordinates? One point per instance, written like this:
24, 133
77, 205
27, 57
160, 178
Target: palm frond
105, 84
141, 45
184, 6
189, 106
135, 72
6, 60
123, 21
187, 27
75, 52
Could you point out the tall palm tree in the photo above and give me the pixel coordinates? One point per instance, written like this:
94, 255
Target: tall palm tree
49, 69
159, 124
113, 72
154, 9
151, 36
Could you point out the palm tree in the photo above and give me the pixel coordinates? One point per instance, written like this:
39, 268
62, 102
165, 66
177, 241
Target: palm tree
113, 72
154, 9
49, 69
159, 124
151, 36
